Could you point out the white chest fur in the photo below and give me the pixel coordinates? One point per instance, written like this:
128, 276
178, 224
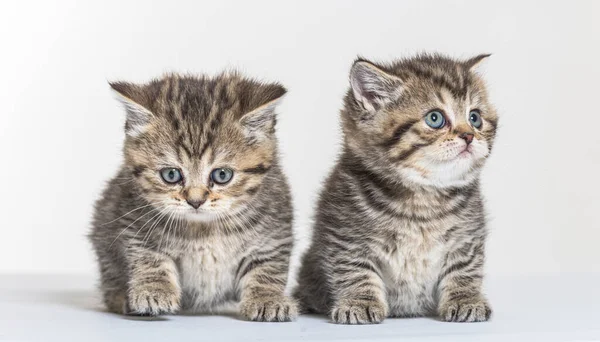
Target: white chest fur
413, 268
207, 276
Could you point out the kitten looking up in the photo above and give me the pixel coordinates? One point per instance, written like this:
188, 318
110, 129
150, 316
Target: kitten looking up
200, 213
400, 225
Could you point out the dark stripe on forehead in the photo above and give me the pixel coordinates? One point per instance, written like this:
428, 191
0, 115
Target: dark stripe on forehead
212, 156
399, 132
439, 96
225, 100
168, 100
210, 130
466, 81
206, 146
450, 80
181, 143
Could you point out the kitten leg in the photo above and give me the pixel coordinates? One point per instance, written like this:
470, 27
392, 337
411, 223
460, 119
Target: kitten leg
262, 281
358, 291
460, 297
115, 301
153, 284
113, 283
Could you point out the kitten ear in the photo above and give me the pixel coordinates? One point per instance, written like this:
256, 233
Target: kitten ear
138, 116
472, 63
261, 121
372, 87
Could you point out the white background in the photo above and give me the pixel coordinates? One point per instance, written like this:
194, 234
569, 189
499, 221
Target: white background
61, 129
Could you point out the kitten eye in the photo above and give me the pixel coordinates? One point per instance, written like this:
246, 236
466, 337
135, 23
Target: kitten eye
475, 118
435, 119
170, 175
221, 175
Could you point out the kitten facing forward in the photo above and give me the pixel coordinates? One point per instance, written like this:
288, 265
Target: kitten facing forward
400, 226
200, 214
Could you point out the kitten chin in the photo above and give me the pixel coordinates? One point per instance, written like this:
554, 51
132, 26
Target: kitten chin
201, 217
197, 149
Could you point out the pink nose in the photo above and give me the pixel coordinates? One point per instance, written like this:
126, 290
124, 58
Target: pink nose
468, 137
195, 204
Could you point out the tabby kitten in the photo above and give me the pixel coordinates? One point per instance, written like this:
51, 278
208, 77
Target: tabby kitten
200, 213
400, 226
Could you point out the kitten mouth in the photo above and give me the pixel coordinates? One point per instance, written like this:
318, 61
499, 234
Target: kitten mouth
465, 153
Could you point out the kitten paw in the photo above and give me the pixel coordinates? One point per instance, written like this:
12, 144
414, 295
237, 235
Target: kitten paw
153, 300
358, 312
269, 309
474, 310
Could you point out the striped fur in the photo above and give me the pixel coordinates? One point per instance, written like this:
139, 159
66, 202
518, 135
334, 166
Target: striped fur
400, 225
158, 254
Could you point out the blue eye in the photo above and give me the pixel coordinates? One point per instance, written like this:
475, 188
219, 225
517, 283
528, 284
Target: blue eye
221, 175
475, 118
435, 119
171, 175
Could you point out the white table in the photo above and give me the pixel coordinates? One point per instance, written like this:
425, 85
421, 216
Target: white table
528, 308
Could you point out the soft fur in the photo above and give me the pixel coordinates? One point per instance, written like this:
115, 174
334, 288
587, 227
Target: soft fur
157, 253
400, 225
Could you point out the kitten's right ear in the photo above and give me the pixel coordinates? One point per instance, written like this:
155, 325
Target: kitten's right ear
472, 63
138, 116
372, 87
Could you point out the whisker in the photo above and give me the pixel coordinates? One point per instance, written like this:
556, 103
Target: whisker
162, 235
124, 229
152, 219
154, 226
129, 212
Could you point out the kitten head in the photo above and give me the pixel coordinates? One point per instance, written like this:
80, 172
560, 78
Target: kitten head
426, 120
199, 147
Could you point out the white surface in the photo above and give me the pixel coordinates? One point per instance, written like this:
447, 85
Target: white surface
66, 308
61, 128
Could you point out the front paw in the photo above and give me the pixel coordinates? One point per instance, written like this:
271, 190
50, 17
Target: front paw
269, 309
153, 300
466, 310
358, 312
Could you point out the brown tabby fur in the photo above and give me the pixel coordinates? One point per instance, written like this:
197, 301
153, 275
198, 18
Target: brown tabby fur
400, 224
157, 253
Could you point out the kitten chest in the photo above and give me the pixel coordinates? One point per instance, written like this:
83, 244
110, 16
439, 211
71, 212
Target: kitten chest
207, 277
414, 262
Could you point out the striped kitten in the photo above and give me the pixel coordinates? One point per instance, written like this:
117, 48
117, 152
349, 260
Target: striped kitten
200, 213
400, 226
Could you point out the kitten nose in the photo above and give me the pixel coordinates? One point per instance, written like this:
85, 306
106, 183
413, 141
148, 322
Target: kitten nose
468, 137
195, 203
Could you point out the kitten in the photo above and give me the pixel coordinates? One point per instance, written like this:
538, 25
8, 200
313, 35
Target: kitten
200, 213
400, 226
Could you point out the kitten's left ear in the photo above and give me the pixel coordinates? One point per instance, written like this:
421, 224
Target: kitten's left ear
261, 121
372, 87
472, 63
